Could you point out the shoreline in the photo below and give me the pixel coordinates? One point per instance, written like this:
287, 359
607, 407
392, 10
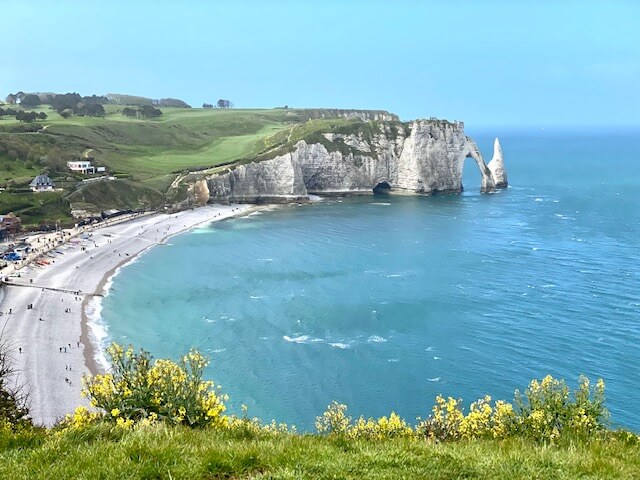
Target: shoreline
61, 334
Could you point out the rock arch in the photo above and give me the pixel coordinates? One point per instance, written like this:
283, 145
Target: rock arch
493, 175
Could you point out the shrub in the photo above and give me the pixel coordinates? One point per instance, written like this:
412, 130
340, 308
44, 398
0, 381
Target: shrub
448, 421
548, 410
138, 389
14, 413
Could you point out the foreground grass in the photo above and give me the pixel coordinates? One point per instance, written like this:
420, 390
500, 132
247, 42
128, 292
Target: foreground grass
178, 452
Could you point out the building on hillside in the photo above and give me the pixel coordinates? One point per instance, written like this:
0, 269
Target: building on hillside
81, 166
42, 183
10, 223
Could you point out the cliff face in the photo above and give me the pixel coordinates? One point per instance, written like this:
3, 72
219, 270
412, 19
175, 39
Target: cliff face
423, 157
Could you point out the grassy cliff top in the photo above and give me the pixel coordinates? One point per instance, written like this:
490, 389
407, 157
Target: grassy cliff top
146, 155
164, 452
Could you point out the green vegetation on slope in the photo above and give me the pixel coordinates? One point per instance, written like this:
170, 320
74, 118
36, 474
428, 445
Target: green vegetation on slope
160, 419
151, 152
161, 452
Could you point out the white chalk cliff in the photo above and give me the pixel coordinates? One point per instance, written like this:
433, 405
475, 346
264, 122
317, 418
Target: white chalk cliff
421, 157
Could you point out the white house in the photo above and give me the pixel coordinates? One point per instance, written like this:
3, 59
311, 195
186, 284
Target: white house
82, 166
42, 183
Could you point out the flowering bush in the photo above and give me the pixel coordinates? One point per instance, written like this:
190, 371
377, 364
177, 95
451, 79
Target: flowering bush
547, 409
334, 421
137, 389
448, 421
546, 412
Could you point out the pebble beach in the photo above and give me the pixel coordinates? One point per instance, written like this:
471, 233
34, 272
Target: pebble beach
43, 303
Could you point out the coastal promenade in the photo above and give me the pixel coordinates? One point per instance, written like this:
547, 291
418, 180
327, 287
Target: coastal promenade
43, 310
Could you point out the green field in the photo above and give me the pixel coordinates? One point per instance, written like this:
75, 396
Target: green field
147, 155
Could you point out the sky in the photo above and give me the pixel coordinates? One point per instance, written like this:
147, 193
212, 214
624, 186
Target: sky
503, 63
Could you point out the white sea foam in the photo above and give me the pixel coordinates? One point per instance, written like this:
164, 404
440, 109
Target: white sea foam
436, 358
376, 339
434, 379
381, 203
298, 339
219, 350
340, 345
393, 360
255, 297
98, 329
428, 349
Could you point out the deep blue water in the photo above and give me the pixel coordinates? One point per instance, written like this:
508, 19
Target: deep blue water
384, 302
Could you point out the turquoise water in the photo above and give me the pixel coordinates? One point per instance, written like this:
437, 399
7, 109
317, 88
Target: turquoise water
384, 302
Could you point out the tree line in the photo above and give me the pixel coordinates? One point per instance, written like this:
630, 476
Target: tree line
146, 111
222, 103
22, 115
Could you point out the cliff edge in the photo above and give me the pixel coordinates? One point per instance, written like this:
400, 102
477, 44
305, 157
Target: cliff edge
354, 157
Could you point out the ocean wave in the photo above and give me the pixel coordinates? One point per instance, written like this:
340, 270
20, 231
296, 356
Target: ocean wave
386, 204
256, 297
342, 346
434, 379
436, 358
98, 330
298, 339
393, 360
219, 350
376, 339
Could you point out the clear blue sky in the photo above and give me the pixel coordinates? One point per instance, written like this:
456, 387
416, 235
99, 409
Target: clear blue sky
488, 63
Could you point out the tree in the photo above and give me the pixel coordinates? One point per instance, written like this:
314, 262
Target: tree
149, 111
30, 100
42, 116
90, 110
207, 105
13, 401
66, 113
130, 112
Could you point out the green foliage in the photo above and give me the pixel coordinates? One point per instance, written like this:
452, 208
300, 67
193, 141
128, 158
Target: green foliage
547, 412
14, 413
138, 389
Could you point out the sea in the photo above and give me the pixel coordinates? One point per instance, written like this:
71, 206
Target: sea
384, 302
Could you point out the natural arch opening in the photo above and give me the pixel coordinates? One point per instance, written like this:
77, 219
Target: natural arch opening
471, 177
383, 188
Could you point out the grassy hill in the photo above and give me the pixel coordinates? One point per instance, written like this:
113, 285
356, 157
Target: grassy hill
146, 155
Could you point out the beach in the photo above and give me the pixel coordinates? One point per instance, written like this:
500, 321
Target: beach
44, 318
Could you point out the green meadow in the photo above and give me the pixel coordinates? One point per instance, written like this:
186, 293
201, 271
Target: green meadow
145, 155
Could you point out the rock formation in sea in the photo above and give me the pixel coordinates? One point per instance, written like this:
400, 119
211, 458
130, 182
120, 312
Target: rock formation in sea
419, 157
